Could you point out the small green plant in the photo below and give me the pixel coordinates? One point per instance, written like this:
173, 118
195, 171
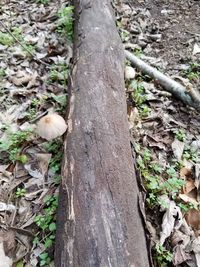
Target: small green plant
44, 259
144, 111
33, 108
6, 39
156, 168
147, 155
55, 147
153, 181
2, 73
65, 23
12, 145
46, 221
172, 185
180, 134
17, 32
29, 47
60, 99
20, 192
137, 52
44, 2
124, 35
59, 73
193, 72
191, 154
138, 94
162, 256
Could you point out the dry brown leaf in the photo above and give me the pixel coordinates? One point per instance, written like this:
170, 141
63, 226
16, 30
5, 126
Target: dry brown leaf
24, 245
32, 82
185, 172
152, 141
193, 218
21, 78
133, 117
188, 199
9, 243
188, 187
43, 160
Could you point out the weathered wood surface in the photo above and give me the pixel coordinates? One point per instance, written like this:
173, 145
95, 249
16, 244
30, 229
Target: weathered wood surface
99, 223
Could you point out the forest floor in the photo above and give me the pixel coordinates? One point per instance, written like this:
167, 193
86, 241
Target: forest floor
35, 52
166, 135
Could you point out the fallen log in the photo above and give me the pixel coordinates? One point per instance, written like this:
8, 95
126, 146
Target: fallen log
98, 220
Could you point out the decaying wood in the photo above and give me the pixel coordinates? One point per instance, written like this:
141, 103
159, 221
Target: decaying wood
189, 96
99, 223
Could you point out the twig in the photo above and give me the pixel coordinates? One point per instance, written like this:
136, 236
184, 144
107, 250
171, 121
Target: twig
193, 33
38, 117
23, 46
170, 85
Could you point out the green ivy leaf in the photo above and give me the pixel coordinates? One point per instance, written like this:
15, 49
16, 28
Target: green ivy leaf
52, 227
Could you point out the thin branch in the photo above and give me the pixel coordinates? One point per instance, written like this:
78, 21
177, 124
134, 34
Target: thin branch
23, 46
188, 95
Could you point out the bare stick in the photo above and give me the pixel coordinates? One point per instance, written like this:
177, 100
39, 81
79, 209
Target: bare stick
23, 46
186, 95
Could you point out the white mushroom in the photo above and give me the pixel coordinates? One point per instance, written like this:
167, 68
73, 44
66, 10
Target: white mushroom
51, 126
129, 73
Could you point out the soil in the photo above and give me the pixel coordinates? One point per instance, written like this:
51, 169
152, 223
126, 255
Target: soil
179, 24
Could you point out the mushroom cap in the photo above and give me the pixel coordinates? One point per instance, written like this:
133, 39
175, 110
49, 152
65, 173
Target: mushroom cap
51, 126
129, 73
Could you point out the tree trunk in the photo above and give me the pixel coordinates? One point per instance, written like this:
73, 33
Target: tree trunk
99, 223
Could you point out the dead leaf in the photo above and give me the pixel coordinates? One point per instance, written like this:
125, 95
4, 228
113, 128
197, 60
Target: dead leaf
196, 249
133, 117
172, 219
188, 199
180, 255
5, 261
178, 147
196, 49
7, 207
38, 167
185, 172
153, 141
21, 78
18, 52
9, 243
192, 217
197, 175
32, 82
189, 186
195, 145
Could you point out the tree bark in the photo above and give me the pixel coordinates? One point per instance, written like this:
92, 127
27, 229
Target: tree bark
98, 220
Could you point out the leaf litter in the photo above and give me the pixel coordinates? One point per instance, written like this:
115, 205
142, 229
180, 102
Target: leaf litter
165, 133
35, 54
34, 71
